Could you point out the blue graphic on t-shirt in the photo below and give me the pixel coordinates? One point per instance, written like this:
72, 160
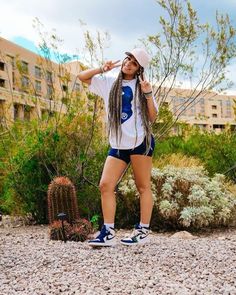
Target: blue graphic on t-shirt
127, 97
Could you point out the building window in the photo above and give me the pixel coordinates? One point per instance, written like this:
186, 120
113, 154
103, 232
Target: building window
214, 116
11, 60
64, 88
38, 87
38, 72
49, 77
25, 83
13, 80
2, 82
16, 111
202, 106
219, 126
27, 112
1, 110
2, 66
24, 67
228, 109
49, 91
179, 106
214, 107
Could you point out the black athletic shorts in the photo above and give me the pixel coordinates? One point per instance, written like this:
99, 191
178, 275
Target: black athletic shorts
139, 150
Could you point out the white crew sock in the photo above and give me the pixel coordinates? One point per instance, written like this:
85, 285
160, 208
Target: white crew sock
144, 225
108, 225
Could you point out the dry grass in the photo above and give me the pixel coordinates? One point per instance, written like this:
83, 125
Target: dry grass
231, 187
177, 160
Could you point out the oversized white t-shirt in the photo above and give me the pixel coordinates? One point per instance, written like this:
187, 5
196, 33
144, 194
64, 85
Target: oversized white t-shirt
132, 131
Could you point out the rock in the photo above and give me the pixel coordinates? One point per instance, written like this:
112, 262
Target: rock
183, 235
16, 221
221, 238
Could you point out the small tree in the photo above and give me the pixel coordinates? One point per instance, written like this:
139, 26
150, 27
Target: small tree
33, 153
187, 50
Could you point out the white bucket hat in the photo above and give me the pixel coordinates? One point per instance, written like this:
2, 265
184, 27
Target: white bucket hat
140, 55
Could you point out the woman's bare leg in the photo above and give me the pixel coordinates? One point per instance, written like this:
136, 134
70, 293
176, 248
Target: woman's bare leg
142, 166
112, 171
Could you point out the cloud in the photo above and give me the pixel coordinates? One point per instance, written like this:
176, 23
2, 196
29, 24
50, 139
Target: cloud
126, 21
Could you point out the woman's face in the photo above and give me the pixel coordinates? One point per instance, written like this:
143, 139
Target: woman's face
130, 67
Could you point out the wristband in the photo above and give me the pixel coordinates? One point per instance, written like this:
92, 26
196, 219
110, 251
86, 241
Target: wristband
146, 94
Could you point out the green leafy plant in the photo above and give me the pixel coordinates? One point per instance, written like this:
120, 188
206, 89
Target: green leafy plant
94, 220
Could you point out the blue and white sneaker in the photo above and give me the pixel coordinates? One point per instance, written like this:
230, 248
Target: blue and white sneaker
104, 239
138, 236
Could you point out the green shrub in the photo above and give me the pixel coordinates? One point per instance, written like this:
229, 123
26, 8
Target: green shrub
38, 152
185, 198
216, 151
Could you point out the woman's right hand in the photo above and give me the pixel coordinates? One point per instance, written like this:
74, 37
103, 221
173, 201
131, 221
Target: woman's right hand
109, 65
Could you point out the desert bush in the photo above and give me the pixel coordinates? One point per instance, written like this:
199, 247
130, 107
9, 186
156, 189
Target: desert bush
45, 151
186, 198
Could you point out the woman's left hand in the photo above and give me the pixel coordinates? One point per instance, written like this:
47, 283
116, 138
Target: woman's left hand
145, 85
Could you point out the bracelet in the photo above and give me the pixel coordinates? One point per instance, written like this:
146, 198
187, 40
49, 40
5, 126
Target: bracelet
146, 94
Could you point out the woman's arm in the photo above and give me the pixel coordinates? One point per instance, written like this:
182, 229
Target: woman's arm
147, 91
87, 75
152, 112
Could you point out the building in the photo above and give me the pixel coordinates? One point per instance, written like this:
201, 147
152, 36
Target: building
32, 86
209, 111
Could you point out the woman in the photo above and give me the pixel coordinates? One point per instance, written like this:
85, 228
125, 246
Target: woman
130, 108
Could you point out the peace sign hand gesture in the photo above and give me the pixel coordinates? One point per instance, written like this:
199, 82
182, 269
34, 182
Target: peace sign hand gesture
109, 65
145, 85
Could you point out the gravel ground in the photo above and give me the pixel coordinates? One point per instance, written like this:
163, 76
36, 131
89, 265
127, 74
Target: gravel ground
32, 264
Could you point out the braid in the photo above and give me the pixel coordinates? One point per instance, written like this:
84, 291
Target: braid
115, 109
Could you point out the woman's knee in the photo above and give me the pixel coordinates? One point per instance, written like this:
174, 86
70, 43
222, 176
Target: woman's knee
143, 188
106, 186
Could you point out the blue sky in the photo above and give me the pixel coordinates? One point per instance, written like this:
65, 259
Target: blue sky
125, 20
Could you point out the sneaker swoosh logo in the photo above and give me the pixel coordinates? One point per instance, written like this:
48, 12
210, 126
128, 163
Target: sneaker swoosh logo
108, 239
143, 237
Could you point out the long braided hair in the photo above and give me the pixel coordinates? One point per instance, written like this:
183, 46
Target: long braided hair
115, 110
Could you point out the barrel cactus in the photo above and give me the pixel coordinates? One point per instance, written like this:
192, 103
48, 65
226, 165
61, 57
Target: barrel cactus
62, 198
63, 213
